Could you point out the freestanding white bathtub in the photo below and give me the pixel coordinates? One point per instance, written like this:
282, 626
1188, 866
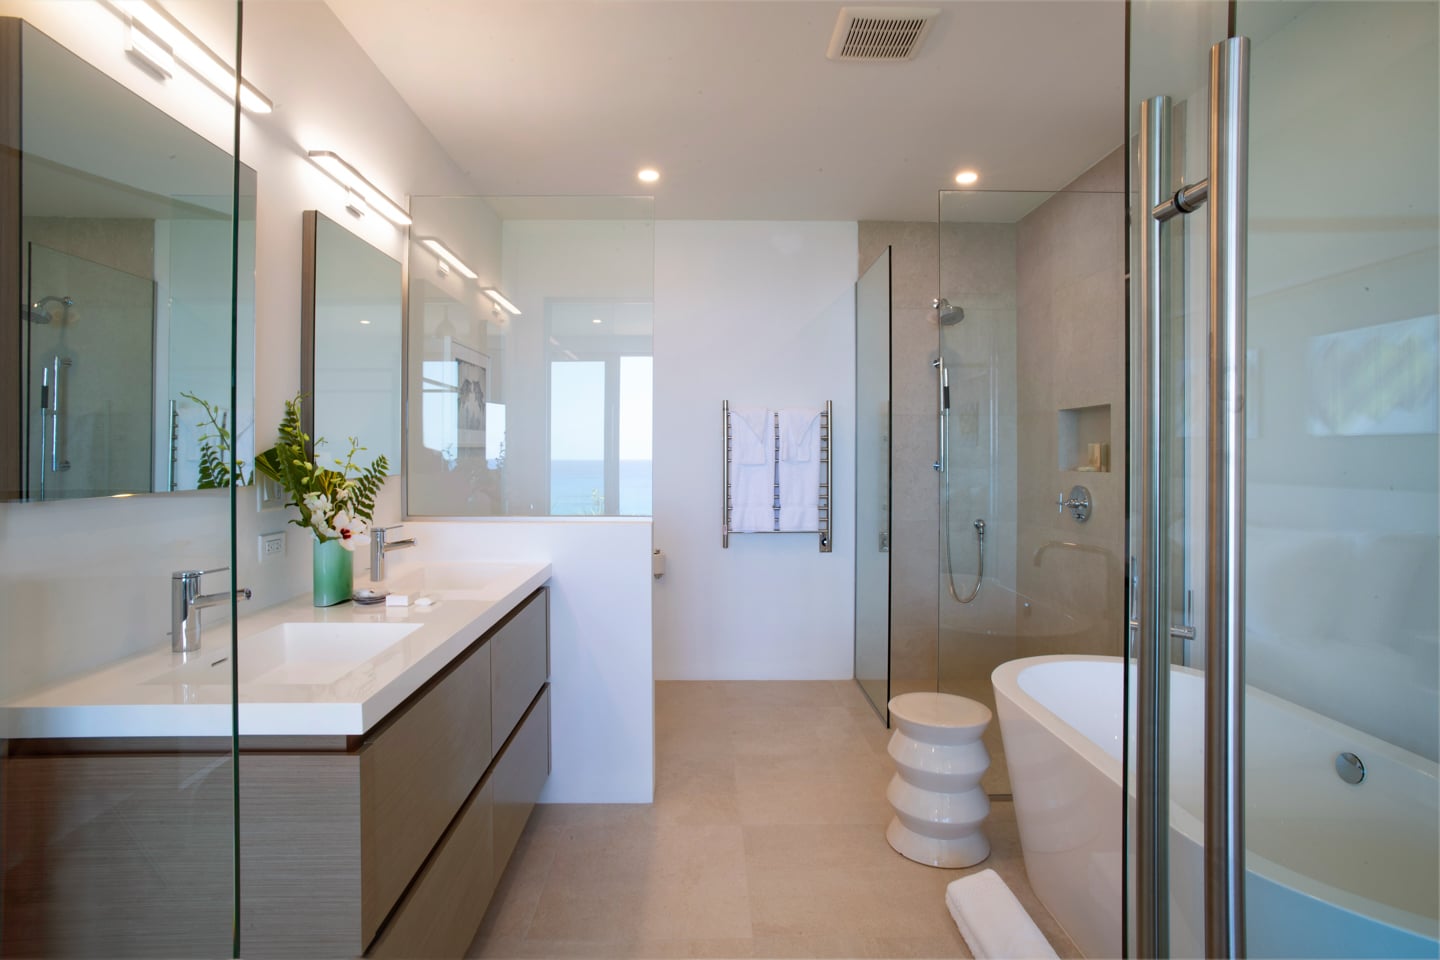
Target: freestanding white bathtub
1334, 869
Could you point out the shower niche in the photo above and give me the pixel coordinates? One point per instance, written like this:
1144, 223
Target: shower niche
1083, 435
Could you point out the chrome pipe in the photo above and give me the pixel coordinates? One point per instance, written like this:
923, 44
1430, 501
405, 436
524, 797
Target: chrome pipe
57, 465
174, 436
1225, 510
44, 412
827, 467
725, 476
1152, 661
942, 408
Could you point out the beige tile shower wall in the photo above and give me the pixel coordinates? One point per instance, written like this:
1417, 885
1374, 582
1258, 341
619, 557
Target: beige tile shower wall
977, 274
915, 520
1071, 353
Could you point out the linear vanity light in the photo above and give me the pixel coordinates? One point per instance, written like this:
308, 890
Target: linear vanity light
502, 300
446, 256
141, 45
183, 46
354, 181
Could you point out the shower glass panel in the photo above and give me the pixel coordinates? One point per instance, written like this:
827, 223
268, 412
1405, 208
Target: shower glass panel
118, 783
90, 351
1340, 493
1341, 531
1031, 344
872, 483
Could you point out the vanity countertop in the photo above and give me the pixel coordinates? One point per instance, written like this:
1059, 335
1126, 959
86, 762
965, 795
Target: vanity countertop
165, 694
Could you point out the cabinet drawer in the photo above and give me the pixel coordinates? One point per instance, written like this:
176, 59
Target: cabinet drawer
442, 911
518, 778
520, 664
415, 773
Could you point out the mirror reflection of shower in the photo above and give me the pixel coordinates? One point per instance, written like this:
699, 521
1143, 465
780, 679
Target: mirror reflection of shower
949, 315
42, 312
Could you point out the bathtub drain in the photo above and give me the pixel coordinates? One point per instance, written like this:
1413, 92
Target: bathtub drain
1349, 767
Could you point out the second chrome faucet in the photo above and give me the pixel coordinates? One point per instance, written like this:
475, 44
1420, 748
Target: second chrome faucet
381, 544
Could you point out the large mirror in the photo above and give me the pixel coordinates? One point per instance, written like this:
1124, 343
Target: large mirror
118, 226
351, 342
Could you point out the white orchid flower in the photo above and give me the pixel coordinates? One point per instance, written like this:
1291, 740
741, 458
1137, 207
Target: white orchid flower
347, 528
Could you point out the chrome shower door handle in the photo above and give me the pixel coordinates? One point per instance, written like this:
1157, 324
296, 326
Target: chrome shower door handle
1225, 502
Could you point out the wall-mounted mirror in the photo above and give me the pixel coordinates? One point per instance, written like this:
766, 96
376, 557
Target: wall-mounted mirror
118, 225
350, 341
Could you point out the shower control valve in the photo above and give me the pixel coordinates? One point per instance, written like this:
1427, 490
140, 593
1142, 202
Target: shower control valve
1078, 503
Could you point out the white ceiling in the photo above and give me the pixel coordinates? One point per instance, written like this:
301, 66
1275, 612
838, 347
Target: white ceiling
736, 104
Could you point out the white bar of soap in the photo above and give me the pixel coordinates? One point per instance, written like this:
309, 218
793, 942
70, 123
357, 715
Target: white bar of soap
397, 600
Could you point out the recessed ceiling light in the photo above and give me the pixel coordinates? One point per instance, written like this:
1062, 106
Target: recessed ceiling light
648, 175
596, 320
966, 177
365, 323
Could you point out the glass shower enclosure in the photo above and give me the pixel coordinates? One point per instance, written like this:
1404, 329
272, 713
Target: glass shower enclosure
1031, 372
1284, 482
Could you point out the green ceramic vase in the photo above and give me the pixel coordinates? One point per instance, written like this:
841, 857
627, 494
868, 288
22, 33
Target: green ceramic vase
334, 573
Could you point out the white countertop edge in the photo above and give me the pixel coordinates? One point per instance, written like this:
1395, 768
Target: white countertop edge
32, 718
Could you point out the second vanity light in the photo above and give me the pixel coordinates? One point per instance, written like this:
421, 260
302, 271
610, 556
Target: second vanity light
447, 256
360, 189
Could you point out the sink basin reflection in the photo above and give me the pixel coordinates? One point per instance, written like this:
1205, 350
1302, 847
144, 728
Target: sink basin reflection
292, 653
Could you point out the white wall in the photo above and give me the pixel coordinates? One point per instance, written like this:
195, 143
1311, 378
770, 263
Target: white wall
602, 703
756, 313
85, 583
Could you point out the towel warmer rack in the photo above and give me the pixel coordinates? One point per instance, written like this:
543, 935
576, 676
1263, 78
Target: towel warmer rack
827, 469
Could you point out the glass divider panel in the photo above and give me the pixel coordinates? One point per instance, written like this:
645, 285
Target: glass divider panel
873, 482
1341, 489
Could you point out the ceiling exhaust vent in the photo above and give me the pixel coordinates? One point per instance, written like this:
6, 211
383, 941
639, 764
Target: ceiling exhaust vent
880, 33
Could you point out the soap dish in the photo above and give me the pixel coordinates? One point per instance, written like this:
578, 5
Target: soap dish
368, 596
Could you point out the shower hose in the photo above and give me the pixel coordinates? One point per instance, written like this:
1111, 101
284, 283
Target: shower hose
979, 546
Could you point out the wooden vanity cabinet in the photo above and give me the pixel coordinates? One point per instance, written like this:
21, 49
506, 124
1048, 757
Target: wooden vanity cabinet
386, 845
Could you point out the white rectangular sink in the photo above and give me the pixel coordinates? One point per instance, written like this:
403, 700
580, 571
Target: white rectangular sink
292, 653
468, 581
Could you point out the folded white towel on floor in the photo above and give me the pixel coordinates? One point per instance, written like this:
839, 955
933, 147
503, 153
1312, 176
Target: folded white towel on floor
994, 924
752, 435
799, 469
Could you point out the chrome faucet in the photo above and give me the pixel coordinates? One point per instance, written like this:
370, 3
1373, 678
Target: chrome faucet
186, 602
381, 545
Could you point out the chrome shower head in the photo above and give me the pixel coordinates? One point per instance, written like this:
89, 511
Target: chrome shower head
38, 313
948, 315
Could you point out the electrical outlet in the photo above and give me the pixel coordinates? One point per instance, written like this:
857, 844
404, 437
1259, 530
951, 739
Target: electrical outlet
272, 546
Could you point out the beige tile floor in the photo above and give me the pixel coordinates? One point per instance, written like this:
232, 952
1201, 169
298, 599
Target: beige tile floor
766, 839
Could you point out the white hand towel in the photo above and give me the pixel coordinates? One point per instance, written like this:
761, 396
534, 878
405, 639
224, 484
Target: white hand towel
752, 470
752, 435
799, 470
797, 427
992, 921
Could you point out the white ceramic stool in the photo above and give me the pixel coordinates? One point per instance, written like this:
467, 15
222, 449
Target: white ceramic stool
936, 793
